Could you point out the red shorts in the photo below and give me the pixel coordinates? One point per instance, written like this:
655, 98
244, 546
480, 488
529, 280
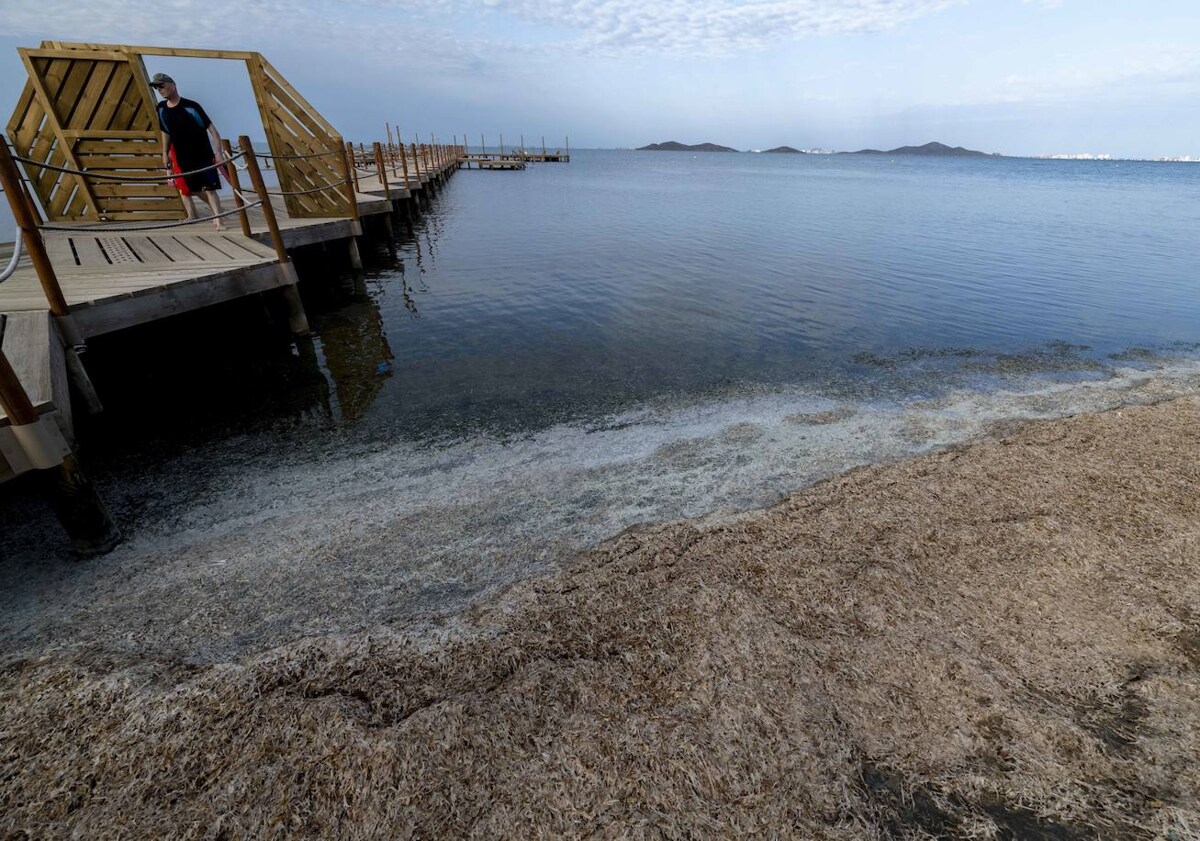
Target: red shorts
181, 182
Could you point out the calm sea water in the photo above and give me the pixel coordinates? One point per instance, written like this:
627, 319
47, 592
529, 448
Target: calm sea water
571, 291
548, 356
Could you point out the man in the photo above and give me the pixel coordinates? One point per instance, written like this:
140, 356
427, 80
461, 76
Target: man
190, 134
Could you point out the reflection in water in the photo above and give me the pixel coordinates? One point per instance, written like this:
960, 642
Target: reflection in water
357, 355
353, 337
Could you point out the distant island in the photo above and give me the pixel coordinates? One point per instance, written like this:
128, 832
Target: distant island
673, 146
934, 148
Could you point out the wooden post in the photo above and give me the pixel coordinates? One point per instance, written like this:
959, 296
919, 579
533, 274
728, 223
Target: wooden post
349, 180
387, 190
268, 211
502, 145
404, 163
543, 145
231, 168
297, 319
21, 204
73, 497
27, 222
482, 145
352, 189
351, 172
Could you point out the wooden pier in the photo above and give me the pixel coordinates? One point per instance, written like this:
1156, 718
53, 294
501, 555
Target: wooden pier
108, 245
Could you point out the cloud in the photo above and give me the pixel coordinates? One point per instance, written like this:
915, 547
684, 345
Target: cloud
328, 31
706, 27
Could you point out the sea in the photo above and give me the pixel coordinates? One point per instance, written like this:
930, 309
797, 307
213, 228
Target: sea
544, 358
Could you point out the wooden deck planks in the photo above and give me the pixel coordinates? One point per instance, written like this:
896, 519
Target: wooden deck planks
115, 278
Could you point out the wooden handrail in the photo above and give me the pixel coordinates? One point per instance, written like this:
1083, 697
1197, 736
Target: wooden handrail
348, 172
19, 202
268, 210
232, 171
379, 164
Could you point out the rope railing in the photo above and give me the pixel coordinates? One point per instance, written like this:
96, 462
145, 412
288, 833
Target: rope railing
143, 179
71, 229
16, 257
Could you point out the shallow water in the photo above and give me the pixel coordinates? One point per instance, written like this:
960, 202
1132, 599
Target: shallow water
553, 355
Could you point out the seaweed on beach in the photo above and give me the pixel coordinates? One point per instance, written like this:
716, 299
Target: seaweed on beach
994, 641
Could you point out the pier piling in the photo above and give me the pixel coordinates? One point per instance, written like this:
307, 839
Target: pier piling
73, 497
297, 319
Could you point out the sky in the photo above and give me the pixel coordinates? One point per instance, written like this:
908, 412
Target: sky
1019, 77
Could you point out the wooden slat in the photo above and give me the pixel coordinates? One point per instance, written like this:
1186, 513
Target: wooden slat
142, 245
176, 250
294, 126
143, 215
115, 190
70, 95
75, 103
124, 161
149, 203
58, 246
17, 122
206, 250
88, 251
46, 150
303, 104
145, 146
118, 109
121, 49
109, 55
27, 338
311, 125
46, 90
93, 95
308, 173
141, 86
106, 133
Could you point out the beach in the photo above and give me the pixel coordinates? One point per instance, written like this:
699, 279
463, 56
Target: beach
996, 639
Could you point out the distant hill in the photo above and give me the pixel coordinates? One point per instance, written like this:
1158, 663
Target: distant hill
673, 146
784, 149
934, 148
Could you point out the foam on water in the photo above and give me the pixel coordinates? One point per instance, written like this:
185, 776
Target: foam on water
413, 532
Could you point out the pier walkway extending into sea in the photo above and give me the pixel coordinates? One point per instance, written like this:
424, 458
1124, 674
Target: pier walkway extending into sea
104, 242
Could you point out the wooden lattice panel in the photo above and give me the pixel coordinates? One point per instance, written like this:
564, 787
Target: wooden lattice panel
91, 110
90, 106
295, 128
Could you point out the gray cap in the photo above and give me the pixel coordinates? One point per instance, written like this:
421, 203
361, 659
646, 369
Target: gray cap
159, 78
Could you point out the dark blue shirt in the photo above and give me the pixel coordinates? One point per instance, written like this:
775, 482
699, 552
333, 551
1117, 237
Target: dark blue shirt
187, 126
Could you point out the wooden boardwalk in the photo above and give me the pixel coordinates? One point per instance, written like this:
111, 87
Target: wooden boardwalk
113, 278
81, 169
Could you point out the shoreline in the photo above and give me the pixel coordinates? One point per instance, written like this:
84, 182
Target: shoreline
996, 637
236, 550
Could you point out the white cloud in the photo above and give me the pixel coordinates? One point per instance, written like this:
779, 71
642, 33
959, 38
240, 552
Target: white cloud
710, 27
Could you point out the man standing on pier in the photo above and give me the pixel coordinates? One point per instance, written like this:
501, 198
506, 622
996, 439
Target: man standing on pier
187, 130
